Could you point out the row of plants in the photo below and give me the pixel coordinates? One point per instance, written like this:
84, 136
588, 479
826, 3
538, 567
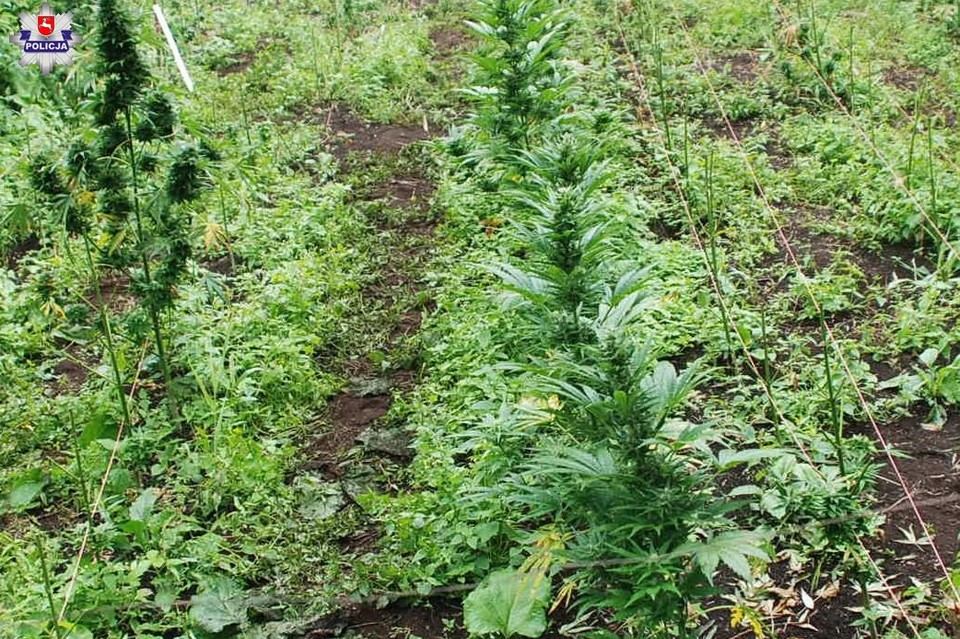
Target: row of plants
611, 504
828, 180
167, 345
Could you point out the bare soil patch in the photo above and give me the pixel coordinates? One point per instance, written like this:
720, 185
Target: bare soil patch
777, 155
116, 294
408, 190
348, 416
71, 372
18, 251
933, 478
353, 134
742, 66
241, 63
448, 39
932, 475
743, 129
221, 266
421, 621
907, 78
396, 620
892, 261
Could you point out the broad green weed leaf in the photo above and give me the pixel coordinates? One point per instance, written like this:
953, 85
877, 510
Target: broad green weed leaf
219, 604
140, 510
508, 603
929, 356
319, 499
99, 427
73, 630
728, 458
25, 492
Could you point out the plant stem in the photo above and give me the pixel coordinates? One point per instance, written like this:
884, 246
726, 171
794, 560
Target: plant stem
943, 252
835, 416
246, 122
874, 633
686, 150
145, 262
662, 89
81, 472
108, 335
767, 371
48, 586
316, 65
226, 228
913, 135
714, 224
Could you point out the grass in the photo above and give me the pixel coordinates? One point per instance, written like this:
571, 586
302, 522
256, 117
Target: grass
784, 297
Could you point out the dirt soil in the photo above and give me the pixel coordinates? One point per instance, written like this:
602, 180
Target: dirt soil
18, 251
742, 66
933, 477
348, 416
71, 372
718, 127
906, 78
932, 473
221, 266
408, 190
115, 293
447, 40
350, 133
242, 62
405, 620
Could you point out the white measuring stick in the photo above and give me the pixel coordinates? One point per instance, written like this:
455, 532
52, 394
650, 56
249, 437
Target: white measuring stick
173, 47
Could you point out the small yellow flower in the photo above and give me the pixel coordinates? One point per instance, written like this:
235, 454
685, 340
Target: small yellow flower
84, 198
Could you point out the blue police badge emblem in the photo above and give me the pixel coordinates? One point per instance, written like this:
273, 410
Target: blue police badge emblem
47, 39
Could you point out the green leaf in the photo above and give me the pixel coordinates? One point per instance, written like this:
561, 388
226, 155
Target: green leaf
929, 356
508, 603
98, 427
219, 604
319, 499
727, 458
732, 548
74, 631
140, 510
25, 492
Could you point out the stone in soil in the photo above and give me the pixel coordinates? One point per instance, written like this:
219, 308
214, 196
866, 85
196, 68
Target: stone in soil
391, 441
348, 417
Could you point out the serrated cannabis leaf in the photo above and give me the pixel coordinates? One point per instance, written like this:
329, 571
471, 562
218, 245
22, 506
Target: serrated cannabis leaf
732, 548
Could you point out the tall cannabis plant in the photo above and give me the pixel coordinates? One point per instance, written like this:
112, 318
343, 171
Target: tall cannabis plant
521, 84
139, 178
559, 217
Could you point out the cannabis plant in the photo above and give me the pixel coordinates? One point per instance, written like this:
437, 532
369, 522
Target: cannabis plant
521, 84
135, 178
823, 82
559, 218
627, 494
